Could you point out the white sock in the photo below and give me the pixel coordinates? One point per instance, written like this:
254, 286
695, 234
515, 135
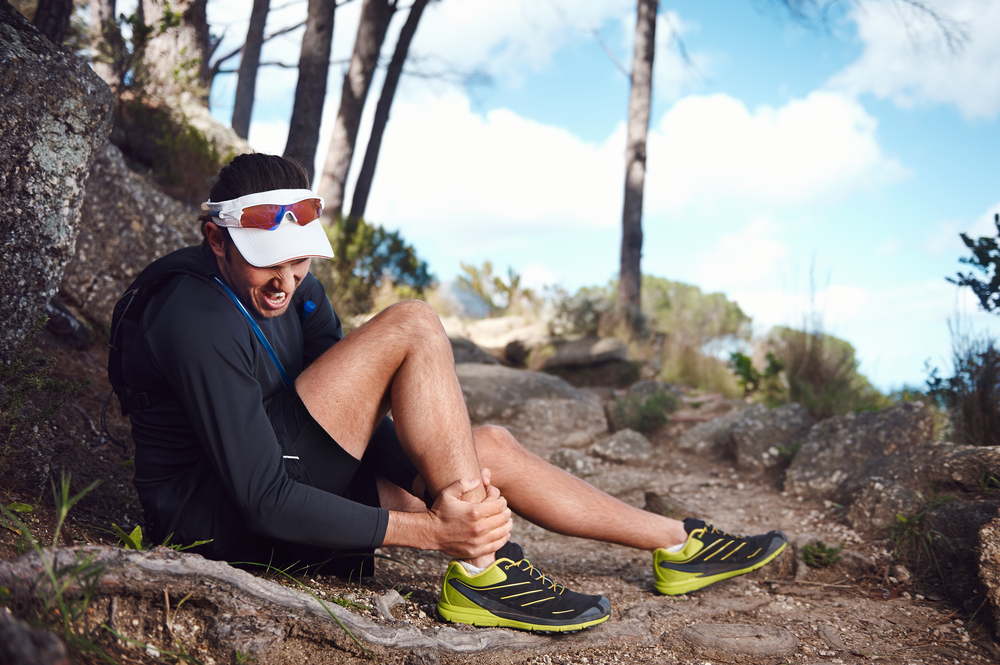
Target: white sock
469, 568
676, 548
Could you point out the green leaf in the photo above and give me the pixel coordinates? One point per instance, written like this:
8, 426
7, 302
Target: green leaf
131, 541
20, 508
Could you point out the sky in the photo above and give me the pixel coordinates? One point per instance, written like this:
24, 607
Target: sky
822, 169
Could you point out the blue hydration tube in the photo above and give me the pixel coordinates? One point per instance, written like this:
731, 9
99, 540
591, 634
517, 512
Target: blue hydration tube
256, 329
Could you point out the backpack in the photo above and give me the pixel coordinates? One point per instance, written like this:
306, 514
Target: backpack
125, 323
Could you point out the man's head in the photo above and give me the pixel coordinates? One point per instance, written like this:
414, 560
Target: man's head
262, 225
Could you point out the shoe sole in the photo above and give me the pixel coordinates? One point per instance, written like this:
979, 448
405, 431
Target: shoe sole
487, 619
694, 583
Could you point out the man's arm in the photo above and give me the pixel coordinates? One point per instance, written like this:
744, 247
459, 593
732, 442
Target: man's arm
456, 527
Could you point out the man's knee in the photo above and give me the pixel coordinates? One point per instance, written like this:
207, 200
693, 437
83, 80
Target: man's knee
495, 445
415, 320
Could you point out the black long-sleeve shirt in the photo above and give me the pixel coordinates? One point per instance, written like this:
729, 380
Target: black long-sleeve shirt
208, 464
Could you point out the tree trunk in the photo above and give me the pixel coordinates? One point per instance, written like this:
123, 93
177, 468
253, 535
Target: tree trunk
375, 16
247, 79
103, 28
178, 58
629, 279
52, 18
310, 91
367, 175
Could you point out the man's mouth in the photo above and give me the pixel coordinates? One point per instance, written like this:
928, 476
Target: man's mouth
275, 300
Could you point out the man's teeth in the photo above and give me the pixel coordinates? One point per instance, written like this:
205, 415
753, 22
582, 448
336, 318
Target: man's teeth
277, 297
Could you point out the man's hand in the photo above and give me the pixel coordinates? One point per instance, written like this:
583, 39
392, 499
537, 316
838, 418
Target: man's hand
468, 530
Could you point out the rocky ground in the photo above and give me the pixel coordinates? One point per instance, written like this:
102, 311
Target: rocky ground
864, 608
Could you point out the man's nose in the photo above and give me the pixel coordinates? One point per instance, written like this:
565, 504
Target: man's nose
286, 279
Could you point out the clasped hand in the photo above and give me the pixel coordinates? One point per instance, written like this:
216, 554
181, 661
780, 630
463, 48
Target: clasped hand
466, 528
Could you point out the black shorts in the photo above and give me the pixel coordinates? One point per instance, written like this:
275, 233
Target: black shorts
315, 458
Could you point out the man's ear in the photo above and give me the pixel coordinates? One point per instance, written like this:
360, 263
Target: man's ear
216, 241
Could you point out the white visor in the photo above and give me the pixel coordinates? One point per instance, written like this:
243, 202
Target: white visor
285, 242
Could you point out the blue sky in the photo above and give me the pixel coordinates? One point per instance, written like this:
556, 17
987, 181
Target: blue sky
850, 155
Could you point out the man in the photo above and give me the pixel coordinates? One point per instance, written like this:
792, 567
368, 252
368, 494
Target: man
260, 429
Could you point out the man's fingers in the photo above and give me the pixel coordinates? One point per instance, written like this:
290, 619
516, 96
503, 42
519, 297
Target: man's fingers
459, 487
486, 474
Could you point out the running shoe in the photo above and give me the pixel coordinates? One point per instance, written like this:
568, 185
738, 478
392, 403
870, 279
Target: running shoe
710, 555
512, 593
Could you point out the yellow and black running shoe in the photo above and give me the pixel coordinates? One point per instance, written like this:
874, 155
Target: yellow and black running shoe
710, 555
514, 594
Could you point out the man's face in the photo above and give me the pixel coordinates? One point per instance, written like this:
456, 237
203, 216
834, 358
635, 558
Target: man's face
268, 290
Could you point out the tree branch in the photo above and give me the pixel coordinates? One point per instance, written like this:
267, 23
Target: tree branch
611, 54
217, 65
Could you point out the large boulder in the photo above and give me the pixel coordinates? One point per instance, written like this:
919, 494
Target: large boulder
126, 223
587, 351
989, 567
840, 453
54, 113
715, 436
543, 412
901, 483
764, 439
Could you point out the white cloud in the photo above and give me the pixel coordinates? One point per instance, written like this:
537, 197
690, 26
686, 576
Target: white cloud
709, 151
747, 257
446, 169
906, 59
508, 36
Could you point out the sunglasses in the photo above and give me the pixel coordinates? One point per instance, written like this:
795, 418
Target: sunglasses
267, 216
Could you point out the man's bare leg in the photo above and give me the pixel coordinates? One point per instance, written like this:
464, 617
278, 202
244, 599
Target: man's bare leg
561, 502
401, 359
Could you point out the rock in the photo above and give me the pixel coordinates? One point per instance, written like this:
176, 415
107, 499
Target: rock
623, 446
874, 510
125, 224
741, 638
587, 351
64, 325
574, 461
492, 391
989, 567
646, 389
543, 412
54, 113
466, 351
764, 439
544, 425
840, 454
663, 503
958, 523
24, 645
715, 437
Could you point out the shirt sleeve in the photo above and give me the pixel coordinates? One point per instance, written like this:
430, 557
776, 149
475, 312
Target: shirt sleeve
206, 352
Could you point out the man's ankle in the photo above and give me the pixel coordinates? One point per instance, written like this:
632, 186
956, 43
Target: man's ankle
479, 563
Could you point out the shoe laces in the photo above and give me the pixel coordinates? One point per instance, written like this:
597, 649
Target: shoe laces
536, 574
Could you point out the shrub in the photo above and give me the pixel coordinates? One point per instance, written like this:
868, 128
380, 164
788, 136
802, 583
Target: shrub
677, 323
986, 260
821, 555
502, 297
752, 381
644, 414
822, 373
972, 394
365, 257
